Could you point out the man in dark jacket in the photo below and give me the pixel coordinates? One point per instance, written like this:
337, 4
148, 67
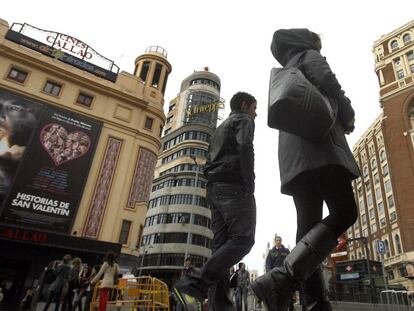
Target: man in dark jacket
243, 281
55, 290
314, 174
230, 196
276, 257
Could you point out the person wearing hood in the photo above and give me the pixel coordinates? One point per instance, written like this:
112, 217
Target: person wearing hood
312, 173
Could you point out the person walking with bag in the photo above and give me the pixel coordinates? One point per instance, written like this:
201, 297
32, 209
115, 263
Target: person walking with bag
312, 173
109, 271
230, 196
55, 290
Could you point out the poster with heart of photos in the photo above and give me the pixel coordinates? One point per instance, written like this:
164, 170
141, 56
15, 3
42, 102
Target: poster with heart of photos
47, 181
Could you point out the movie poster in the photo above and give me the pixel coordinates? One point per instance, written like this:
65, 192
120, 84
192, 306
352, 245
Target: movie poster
47, 181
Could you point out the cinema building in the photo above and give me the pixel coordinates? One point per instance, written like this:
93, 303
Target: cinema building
78, 146
385, 154
178, 220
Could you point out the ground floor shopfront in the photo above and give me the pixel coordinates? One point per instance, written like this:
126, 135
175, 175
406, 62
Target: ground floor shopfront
25, 254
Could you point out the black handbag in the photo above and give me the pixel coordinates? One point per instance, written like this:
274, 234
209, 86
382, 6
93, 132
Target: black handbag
296, 106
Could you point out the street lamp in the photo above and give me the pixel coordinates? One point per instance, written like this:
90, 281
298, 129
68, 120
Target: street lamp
142, 258
191, 211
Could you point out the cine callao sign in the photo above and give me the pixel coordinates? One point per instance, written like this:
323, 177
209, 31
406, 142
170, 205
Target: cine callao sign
202, 108
65, 48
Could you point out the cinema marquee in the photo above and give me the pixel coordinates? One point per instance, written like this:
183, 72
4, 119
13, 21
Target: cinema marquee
65, 48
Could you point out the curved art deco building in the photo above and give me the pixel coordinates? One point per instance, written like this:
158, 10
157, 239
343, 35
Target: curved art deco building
178, 219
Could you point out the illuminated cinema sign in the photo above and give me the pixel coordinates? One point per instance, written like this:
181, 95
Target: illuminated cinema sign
202, 108
65, 48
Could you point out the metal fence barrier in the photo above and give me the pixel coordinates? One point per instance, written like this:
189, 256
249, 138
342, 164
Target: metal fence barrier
140, 293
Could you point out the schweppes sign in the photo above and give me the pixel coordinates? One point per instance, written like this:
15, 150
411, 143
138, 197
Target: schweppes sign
202, 108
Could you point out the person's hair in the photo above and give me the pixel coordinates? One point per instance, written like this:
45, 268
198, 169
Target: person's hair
317, 39
278, 237
110, 258
239, 98
188, 259
241, 264
77, 261
67, 258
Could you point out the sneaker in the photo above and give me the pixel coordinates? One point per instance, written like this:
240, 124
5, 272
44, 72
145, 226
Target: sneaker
190, 303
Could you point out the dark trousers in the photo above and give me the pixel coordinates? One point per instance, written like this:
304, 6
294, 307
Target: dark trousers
332, 185
241, 299
52, 297
233, 222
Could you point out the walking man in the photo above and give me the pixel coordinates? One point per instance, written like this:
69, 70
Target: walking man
276, 257
243, 281
230, 196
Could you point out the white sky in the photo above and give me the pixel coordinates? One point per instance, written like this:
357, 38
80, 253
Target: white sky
233, 39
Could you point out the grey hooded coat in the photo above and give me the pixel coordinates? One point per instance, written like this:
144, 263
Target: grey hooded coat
296, 154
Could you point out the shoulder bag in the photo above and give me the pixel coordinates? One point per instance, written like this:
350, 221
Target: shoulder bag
296, 106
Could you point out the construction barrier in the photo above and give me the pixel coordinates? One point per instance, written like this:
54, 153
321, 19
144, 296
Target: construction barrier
139, 294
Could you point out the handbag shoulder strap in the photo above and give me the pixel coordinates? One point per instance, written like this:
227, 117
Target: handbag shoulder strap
295, 59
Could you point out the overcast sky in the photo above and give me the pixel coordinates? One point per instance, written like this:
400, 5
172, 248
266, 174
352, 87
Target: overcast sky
233, 38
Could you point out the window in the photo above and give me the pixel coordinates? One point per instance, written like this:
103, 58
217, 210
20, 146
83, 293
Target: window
390, 275
380, 207
383, 222
171, 107
391, 201
169, 119
84, 100
364, 219
123, 236
406, 38
369, 199
141, 230
400, 74
397, 61
382, 155
385, 170
378, 193
387, 248
17, 75
387, 185
373, 228
412, 68
160, 132
410, 55
52, 88
157, 75
365, 171
374, 164
376, 178
393, 216
144, 71
394, 45
365, 232
371, 214
148, 123
398, 244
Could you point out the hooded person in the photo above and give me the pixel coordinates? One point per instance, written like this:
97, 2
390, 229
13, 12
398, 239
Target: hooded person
312, 173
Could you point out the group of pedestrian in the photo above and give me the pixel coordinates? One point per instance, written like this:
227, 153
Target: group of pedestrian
311, 172
71, 284
74, 283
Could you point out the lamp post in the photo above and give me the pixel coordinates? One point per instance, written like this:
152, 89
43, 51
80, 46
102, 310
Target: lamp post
192, 207
142, 258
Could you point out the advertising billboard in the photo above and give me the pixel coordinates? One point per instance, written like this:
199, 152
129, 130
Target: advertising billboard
45, 156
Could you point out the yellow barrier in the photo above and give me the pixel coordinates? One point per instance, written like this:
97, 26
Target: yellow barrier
141, 294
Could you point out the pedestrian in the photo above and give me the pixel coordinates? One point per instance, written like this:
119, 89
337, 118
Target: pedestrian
26, 303
109, 271
80, 291
59, 285
275, 258
73, 284
229, 170
90, 288
186, 271
312, 173
243, 281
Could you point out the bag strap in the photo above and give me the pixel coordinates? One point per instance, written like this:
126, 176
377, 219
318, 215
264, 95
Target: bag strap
294, 59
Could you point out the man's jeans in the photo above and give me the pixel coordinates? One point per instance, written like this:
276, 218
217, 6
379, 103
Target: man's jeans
233, 222
241, 298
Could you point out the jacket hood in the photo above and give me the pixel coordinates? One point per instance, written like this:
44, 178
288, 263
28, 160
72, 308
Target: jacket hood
288, 42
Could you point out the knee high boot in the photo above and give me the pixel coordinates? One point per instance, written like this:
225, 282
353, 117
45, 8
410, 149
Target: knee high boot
275, 288
313, 293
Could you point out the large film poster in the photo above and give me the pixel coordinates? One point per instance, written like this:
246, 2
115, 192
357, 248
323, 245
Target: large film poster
44, 186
